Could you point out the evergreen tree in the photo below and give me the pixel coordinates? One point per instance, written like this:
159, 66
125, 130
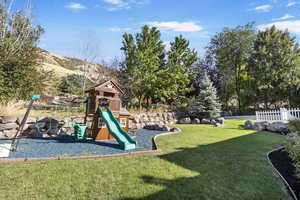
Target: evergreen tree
144, 58
177, 78
207, 104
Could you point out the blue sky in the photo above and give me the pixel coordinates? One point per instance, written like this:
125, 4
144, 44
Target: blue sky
68, 22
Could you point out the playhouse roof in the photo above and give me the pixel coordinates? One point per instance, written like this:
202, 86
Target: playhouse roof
102, 84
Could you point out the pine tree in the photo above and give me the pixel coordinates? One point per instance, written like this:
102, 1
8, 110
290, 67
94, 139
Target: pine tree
207, 104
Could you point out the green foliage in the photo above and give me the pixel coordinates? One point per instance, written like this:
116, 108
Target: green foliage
294, 126
74, 84
293, 148
273, 65
148, 75
19, 58
207, 104
293, 144
230, 50
179, 73
144, 57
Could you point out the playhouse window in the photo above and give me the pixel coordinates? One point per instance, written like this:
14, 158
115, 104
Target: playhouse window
101, 123
123, 122
108, 94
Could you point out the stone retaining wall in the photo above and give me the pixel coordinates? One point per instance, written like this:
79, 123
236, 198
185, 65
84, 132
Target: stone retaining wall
52, 126
149, 119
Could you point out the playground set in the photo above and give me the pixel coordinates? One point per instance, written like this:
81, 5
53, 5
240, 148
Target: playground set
104, 107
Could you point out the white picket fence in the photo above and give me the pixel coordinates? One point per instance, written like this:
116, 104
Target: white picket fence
278, 115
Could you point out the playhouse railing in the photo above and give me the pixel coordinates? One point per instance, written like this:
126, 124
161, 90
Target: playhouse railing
282, 114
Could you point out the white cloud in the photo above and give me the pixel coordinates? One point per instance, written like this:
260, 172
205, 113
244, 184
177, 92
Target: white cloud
285, 17
117, 4
293, 26
167, 45
123, 4
176, 26
262, 8
119, 29
292, 3
75, 6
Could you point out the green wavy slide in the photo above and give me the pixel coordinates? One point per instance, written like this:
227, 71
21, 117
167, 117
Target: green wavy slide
123, 138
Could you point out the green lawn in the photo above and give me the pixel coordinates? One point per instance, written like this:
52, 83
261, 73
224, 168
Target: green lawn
202, 162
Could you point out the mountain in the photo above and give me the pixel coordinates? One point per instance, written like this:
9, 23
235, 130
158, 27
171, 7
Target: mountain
63, 66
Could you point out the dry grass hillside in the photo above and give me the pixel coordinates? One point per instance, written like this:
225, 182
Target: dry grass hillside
63, 66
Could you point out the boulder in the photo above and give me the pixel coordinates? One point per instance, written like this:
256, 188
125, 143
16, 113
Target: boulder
196, 121
66, 131
40, 124
165, 128
10, 133
89, 119
8, 126
278, 127
213, 122
185, 120
175, 130
261, 126
8, 119
249, 124
31, 120
220, 120
218, 124
54, 131
205, 121
34, 134
157, 127
78, 120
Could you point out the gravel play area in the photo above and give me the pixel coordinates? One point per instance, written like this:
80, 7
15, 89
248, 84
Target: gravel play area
67, 146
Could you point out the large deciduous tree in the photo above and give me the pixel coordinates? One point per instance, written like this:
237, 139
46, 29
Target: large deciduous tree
19, 57
273, 66
230, 50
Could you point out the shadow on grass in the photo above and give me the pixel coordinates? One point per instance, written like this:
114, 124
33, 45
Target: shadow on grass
233, 169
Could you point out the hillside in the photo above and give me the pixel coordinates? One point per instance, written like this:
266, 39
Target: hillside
63, 66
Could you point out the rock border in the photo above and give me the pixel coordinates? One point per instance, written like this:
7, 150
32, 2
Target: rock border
290, 190
155, 150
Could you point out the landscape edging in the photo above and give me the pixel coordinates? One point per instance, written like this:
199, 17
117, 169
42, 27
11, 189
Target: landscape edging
292, 193
155, 150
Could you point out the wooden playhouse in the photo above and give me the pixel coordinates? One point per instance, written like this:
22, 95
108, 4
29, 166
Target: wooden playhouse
105, 93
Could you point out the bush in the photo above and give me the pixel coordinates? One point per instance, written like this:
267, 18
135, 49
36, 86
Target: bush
74, 84
293, 148
293, 145
294, 126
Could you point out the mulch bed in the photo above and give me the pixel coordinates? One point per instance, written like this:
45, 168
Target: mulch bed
284, 165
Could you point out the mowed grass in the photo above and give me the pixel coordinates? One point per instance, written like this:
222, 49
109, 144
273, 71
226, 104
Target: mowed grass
201, 162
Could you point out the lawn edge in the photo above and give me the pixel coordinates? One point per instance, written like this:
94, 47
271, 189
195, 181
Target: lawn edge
155, 150
290, 190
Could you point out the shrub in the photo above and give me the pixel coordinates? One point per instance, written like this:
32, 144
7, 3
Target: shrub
293, 144
294, 126
74, 84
